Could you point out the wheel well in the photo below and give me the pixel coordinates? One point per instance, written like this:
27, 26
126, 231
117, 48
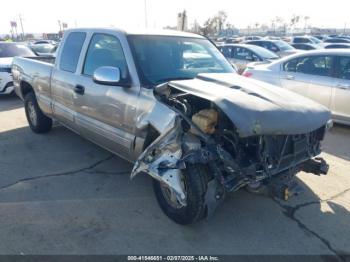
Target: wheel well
25, 88
152, 134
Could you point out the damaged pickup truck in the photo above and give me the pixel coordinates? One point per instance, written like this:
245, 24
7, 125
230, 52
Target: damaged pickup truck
170, 103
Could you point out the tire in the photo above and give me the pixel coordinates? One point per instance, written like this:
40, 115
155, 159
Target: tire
38, 122
195, 180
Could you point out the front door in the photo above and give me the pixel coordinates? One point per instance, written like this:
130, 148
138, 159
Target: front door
105, 114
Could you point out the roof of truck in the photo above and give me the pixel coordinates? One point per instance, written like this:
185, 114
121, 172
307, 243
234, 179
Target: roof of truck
139, 31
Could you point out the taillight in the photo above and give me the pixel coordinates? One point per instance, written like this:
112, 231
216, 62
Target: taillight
247, 74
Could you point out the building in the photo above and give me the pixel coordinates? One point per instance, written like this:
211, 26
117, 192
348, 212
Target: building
182, 21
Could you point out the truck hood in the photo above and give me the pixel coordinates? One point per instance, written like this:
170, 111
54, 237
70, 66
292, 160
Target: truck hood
257, 108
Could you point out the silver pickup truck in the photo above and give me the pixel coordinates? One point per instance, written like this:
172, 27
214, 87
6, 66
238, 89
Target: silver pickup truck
170, 103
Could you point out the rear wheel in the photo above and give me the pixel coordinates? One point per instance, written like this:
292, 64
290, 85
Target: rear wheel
38, 122
195, 180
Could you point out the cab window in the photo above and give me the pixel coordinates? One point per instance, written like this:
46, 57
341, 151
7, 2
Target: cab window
104, 50
71, 51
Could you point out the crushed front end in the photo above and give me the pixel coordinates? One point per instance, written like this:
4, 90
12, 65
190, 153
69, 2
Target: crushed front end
203, 134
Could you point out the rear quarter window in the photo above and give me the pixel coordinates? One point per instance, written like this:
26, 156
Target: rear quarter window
71, 51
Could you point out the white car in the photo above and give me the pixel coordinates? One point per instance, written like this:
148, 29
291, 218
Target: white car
7, 52
322, 75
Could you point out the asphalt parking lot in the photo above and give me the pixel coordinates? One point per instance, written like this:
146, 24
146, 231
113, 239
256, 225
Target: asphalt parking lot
60, 194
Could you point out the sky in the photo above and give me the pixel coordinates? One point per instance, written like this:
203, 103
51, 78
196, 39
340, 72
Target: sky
42, 16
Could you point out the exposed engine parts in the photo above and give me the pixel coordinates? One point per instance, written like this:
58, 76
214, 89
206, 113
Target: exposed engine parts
206, 120
202, 134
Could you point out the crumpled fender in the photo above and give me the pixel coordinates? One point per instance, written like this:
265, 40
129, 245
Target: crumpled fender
160, 160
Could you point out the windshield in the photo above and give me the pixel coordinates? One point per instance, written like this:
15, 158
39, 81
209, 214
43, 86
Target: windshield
283, 46
263, 52
163, 58
11, 50
315, 40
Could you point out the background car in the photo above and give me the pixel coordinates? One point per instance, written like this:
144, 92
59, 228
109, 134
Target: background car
243, 54
337, 45
336, 40
249, 38
7, 52
306, 46
305, 40
38, 42
43, 49
279, 47
322, 75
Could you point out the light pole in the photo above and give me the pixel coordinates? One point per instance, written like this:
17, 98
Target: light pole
20, 20
145, 13
60, 25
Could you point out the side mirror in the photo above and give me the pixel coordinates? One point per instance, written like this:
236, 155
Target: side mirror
107, 75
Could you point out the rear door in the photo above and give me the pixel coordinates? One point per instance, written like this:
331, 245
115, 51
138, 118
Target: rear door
340, 104
321, 71
64, 78
293, 79
106, 114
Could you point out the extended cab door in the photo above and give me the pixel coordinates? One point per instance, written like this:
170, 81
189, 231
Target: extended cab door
105, 114
65, 79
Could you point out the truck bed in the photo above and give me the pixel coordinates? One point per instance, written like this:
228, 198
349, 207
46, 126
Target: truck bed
46, 59
33, 71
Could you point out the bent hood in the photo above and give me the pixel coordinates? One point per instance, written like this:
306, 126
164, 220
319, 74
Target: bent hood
255, 107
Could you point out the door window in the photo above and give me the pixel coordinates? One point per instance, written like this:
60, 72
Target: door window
290, 66
226, 51
71, 51
344, 70
315, 65
104, 50
243, 54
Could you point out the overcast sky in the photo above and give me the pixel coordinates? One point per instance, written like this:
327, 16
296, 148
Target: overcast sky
42, 16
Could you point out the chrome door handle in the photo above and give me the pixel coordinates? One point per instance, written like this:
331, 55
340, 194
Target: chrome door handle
289, 77
341, 86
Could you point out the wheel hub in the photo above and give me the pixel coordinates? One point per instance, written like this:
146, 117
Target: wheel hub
32, 113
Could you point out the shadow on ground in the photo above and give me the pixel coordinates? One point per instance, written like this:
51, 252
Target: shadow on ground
337, 142
9, 102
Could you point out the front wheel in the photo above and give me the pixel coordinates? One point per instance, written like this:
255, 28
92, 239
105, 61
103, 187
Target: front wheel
195, 180
38, 122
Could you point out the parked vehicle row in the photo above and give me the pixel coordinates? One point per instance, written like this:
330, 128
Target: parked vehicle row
322, 75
